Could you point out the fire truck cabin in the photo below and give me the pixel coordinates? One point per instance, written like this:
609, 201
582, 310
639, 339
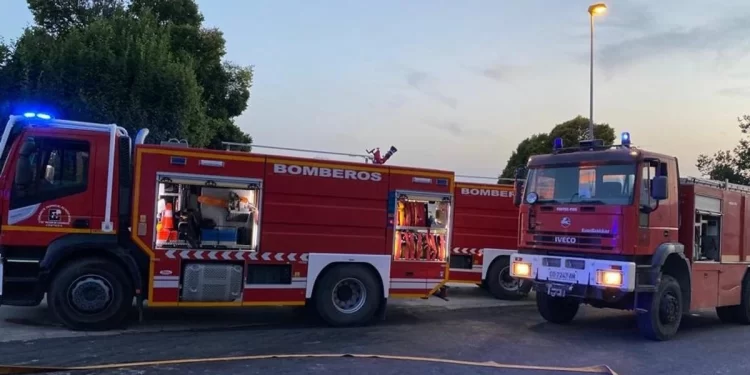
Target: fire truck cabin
485, 234
183, 227
616, 227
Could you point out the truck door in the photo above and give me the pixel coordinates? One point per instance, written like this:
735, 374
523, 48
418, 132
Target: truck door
48, 183
657, 225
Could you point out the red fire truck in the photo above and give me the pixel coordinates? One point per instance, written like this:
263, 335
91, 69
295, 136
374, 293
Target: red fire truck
617, 227
93, 220
485, 233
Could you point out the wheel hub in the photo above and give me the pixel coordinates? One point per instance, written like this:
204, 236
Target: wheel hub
90, 294
669, 308
349, 295
506, 281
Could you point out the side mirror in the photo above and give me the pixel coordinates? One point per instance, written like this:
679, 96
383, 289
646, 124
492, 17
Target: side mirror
519, 180
24, 168
659, 188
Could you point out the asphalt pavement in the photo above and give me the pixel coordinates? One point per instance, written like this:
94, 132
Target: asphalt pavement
416, 339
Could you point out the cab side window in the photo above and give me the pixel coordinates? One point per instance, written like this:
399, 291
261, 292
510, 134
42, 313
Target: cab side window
648, 172
48, 169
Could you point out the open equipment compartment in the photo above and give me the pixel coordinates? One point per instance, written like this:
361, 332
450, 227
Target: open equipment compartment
421, 228
707, 229
207, 212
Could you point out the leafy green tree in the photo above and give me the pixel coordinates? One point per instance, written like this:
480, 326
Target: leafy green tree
571, 132
142, 63
732, 165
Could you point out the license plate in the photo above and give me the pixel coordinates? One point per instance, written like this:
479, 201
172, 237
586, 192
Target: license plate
557, 290
564, 276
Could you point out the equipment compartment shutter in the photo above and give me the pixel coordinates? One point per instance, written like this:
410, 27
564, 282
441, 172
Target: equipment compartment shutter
707, 204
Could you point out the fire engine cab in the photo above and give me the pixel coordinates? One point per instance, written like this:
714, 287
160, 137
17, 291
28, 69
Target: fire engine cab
616, 227
93, 220
485, 234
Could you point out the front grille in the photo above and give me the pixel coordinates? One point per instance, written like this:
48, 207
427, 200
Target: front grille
573, 240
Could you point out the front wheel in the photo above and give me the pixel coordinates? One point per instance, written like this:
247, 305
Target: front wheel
348, 295
503, 286
91, 294
558, 310
663, 314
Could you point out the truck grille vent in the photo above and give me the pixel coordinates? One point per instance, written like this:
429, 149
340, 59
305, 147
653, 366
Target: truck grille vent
573, 240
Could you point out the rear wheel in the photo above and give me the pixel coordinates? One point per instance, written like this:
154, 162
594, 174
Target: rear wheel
348, 295
663, 314
91, 294
558, 310
742, 314
501, 285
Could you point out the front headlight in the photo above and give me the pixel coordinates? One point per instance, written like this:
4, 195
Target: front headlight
609, 278
520, 269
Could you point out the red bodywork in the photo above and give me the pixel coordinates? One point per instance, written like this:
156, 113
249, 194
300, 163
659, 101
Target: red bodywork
624, 232
345, 212
484, 218
717, 283
300, 214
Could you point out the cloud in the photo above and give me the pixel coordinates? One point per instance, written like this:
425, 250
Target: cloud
743, 92
456, 129
629, 16
504, 73
425, 84
724, 38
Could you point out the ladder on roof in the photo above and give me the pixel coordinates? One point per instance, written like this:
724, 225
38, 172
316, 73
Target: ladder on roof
248, 146
726, 185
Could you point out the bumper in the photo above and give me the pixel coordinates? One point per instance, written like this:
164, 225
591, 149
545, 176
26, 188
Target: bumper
574, 272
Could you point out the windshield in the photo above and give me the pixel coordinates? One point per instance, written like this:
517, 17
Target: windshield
595, 184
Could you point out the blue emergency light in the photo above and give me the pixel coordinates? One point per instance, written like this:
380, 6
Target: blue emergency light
557, 144
625, 139
42, 116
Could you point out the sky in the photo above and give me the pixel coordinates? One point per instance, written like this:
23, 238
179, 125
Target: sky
456, 85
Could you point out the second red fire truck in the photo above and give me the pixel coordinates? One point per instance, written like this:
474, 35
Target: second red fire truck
617, 227
485, 233
93, 220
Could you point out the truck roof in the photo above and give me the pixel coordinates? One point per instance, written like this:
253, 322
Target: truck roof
286, 158
619, 154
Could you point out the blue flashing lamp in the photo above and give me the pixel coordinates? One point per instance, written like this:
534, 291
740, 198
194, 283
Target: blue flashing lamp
625, 139
41, 116
557, 144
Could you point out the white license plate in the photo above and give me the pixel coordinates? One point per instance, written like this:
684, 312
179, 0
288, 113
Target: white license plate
563, 276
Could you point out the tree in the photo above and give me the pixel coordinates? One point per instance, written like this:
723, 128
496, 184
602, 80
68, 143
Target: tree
732, 165
139, 63
571, 132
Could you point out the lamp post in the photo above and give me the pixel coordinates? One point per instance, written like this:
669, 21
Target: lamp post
594, 10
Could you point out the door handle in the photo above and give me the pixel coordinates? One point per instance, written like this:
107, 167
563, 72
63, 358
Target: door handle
80, 223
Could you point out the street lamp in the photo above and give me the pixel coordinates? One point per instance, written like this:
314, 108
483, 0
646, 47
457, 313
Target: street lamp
595, 9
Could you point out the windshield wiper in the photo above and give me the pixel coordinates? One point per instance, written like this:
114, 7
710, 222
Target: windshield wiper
594, 201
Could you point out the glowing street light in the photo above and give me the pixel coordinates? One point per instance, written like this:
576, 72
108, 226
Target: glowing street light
594, 10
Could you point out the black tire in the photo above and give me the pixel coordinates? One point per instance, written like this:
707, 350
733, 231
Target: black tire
83, 279
663, 314
501, 285
558, 310
344, 283
742, 313
728, 314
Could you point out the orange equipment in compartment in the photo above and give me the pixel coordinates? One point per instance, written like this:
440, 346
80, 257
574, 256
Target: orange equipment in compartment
165, 228
411, 214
